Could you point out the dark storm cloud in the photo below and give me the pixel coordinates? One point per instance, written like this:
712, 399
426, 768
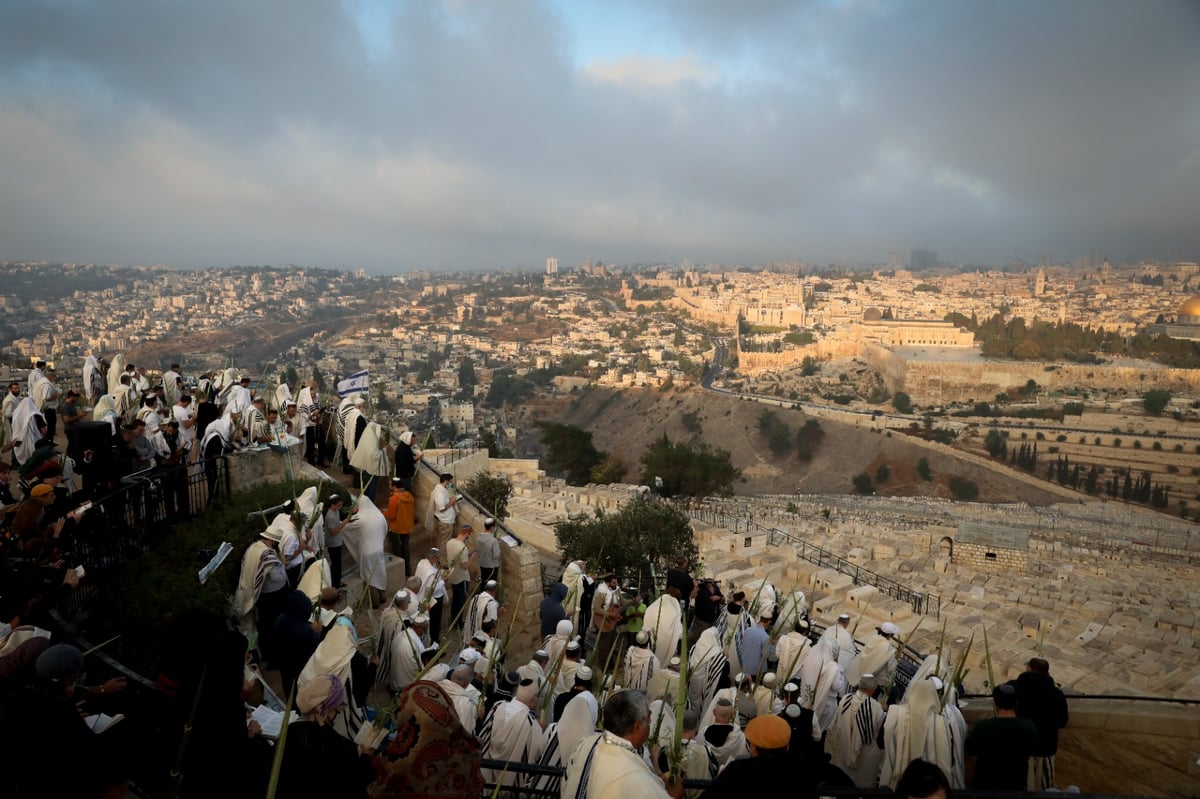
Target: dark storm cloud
231, 132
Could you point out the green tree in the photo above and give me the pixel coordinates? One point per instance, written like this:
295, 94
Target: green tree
507, 388
1155, 400
808, 439
569, 451
962, 488
923, 468
809, 366
466, 375
862, 484
882, 473
993, 442
775, 431
902, 402
610, 470
491, 491
644, 534
692, 470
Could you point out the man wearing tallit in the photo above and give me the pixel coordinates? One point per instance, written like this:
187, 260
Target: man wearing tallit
12, 398
575, 578
305, 428
262, 587
663, 622
392, 622
917, 729
94, 384
841, 643
707, 664
511, 732
370, 458
482, 609
353, 424
338, 655
852, 740
608, 766
283, 394
364, 537
640, 662
878, 656
821, 685
664, 684
29, 427
578, 721
554, 644
404, 659
791, 649
170, 383
463, 695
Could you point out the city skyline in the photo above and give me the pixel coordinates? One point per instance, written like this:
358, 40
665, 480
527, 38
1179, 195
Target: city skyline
487, 135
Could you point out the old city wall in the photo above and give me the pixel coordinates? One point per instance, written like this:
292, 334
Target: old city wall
752, 362
933, 382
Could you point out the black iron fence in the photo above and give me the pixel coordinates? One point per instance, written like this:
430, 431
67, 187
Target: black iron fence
920, 601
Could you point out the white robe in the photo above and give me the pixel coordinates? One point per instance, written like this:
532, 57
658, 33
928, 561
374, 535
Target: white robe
641, 664
916, 729
562, 737
821, 685
664, 624
511, 732
852, 739
574, 579
405, 660
365, 536
607, 767
115, 370
841, 645
878, 657
791, 650
370, 455
170, 390
433, 587
93, 385
482, 609
351, 425
25, 429
464, 701
333, 656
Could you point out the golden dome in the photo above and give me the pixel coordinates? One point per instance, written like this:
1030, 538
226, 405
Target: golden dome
1190, 307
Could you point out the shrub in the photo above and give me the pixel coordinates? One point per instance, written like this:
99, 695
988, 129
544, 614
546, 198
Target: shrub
882, 473
923, 469
1061, 438
962, 488
862, 484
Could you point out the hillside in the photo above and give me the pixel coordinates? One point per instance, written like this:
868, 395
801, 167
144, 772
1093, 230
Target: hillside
625, 422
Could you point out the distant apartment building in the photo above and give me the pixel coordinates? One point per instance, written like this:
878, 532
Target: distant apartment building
551, 266
461, 414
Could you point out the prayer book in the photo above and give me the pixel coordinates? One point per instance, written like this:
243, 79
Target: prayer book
271, 721
102, 721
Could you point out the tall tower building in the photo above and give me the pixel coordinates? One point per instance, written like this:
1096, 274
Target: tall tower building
551, 266
1039, 287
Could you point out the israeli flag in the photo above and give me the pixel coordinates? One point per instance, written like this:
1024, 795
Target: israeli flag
357, 382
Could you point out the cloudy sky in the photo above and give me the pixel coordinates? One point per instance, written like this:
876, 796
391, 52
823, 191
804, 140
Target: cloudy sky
468, 134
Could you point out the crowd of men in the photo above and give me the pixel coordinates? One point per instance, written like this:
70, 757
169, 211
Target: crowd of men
622, 697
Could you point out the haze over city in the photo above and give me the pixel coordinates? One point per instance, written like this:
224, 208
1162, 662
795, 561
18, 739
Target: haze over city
449, 135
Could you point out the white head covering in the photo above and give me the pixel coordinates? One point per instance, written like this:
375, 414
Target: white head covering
564, 627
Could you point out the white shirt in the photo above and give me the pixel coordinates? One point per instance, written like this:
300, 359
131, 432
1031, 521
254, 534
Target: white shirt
442, 509
181, 415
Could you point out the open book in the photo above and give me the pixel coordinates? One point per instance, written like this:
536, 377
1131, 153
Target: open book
271, 721
102, 721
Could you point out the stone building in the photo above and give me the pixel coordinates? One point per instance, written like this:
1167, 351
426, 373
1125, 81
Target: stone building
990, 548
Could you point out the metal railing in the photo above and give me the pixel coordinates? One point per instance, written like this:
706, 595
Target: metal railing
920, 601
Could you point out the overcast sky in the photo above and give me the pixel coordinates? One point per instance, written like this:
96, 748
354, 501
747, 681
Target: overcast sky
467, 134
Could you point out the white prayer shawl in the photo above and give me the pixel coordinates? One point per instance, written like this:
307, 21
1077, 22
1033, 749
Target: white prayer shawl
283, 396
343, 410
792, 607
554, 644
664, 624
664, 685
93, 385
151, 418
760, 597
316, 577
239, 402
256, 562
878, 657
734, 747
662, 721
841, 644
25, 429
605, 766
351, 426
791, 650
640, 665
566, 677
929, 668
217, 429
405, 660
533, 671
489, 659
708, 717
699, 763
42, 392
511, 732
305, 406
333, 656
573, 578
170, 390
464, 704
821, 684
852, 739
916, 730
578, 722
9, 406
314, 511
115, 370
765, 701
707, 662
106, 411
371, 455
432, 585
957, 726
482, 609
731, 629
364, 537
